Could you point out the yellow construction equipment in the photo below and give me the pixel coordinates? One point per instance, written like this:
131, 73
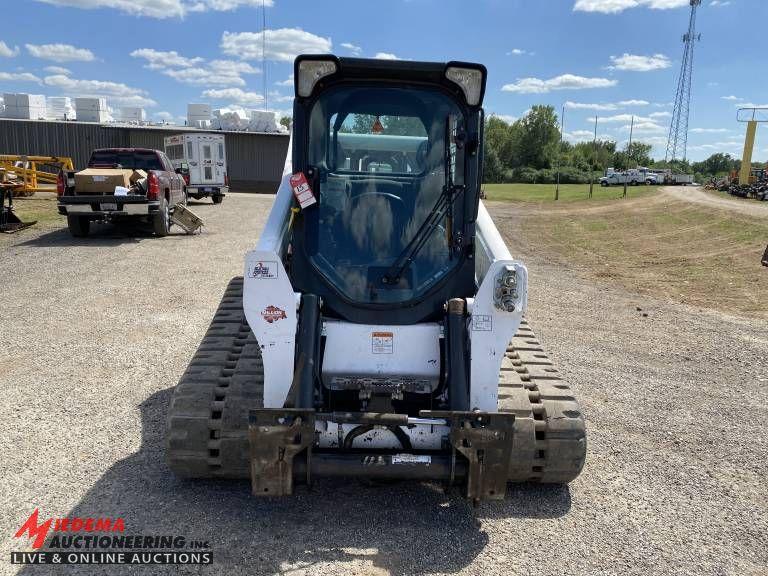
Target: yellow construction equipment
752, 116
34, 173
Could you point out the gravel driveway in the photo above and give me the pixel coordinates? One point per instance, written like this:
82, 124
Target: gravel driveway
96, 331
717, 200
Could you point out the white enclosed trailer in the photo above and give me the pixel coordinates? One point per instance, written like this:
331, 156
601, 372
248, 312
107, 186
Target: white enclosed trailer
201, 159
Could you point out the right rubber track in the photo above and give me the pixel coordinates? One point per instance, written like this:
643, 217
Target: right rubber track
208, 417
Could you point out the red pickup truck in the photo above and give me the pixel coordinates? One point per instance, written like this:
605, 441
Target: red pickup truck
152, 199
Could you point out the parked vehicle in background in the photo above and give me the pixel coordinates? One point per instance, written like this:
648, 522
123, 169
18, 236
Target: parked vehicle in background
202, 161
633, 177
121, 183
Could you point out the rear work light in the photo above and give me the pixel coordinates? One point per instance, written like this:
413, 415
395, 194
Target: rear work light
311, 72
470, 80
153, 186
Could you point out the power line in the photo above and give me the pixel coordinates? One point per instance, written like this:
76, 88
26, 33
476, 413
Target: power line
677, 143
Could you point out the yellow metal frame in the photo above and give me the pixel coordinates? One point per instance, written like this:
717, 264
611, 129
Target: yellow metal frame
752, 120
34, 179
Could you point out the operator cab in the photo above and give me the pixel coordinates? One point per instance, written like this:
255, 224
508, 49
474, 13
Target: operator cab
391, 150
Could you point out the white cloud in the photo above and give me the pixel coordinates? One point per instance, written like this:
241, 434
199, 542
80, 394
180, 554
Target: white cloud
235, 95
644, 127
720, 3
627, 118
117, 92
223, 5
627, 103
19, 77
8, 52
580, 135
355, 50
157, 59
385, 56
60, 52
732, 98
709, 130
519, 52
636, 63
605, 106
286, 82
164, 116
657, 115
216, 72
282, 45
58, 70
277, 97
196, 71
563, 82
616, 6
160, 8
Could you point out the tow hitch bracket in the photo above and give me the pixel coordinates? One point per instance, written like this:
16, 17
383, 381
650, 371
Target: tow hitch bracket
276, 437
485, 440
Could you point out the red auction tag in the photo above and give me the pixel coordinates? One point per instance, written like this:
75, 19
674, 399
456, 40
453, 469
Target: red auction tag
301, 190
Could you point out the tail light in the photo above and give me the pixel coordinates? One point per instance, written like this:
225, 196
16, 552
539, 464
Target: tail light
186, 178
61, 183
153, 186
226, 179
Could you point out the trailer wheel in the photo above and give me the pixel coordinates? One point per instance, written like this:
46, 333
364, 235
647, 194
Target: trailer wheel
217, 198
79, 226
161, 221
604, 184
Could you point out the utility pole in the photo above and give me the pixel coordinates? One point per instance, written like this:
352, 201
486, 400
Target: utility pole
594, 161
560, 154
264, 51
629, 153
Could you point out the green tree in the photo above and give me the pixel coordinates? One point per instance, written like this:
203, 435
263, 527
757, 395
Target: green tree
638, 154
717, 164
538, 138
286, 121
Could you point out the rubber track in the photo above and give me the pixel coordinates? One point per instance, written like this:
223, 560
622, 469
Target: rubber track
550, 441
208, 416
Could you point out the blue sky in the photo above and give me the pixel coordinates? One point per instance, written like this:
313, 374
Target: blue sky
616, 58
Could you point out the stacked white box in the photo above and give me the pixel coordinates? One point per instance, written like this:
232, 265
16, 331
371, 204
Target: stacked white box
25, 106
132, 114
91, 109
198, 114
60, 108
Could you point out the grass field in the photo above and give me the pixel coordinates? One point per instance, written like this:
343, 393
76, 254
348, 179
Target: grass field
659, 246
42, 209
568, 192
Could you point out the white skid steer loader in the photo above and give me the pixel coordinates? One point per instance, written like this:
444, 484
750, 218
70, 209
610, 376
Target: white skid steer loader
378, 329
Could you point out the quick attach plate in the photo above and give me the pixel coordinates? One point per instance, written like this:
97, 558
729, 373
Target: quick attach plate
277, 436
485, 440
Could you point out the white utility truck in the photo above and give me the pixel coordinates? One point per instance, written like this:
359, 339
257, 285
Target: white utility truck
201, 159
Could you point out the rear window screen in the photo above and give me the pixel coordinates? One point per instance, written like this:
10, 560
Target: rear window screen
125, 159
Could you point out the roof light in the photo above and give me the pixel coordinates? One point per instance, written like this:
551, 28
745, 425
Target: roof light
310, 72
470, 80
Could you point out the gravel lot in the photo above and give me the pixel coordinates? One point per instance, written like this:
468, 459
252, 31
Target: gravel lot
95, 333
